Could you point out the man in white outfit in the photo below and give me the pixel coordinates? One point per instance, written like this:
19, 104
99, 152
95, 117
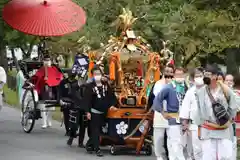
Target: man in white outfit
187, 111
173, 93
46, 112
3, 80
159, 122
217, 107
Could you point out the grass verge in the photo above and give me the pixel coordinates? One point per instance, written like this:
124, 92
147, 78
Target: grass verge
11, 98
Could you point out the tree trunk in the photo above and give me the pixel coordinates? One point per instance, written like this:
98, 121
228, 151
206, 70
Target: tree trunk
232, 67
66, 58
15, 59
189, 59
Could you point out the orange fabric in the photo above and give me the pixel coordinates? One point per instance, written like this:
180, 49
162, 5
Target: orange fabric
112, 69
213, 126
157, 75
91, 66
210, 127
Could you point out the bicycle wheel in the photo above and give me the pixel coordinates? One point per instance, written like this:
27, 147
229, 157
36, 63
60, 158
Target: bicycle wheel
28, 111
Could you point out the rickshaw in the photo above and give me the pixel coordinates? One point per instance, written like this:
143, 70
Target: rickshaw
132, 70
30, 99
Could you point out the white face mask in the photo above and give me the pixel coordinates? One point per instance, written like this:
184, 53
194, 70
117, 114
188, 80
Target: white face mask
97, 78
179, 80
230, 84
47, 63
199, 81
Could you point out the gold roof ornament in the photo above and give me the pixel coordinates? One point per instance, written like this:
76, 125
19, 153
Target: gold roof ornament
124, 20
132, 66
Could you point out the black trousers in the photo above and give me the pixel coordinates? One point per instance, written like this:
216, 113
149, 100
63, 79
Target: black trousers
82, 127
95, 126
66, 119
72, 128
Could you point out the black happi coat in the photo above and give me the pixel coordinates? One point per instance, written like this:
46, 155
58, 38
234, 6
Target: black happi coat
101, 104
65, 90
71, 92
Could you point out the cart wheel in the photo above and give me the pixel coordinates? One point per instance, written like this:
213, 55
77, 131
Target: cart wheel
113, 150
28, 111
148, 150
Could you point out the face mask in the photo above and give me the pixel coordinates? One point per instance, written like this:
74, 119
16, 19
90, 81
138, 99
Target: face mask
229, 84
199, 81
98, 78
207, 80
47, 63
179, 80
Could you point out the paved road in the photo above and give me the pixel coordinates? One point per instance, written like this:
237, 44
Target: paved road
48, 144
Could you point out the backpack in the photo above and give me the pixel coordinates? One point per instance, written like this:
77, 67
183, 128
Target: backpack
222, 115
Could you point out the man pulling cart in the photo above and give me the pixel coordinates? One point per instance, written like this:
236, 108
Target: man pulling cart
63, 21
71, 99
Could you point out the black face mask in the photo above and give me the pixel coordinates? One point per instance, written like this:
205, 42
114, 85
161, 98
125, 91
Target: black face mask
168, 76
207, 80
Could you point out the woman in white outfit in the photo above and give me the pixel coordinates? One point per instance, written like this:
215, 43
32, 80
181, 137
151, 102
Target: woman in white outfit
3, 80
187, 113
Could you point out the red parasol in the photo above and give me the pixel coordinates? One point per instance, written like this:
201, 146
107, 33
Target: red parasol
44, 17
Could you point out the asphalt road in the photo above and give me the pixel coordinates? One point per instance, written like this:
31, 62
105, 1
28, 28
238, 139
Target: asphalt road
42, 144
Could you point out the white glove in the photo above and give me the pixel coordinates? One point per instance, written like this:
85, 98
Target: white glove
62, 103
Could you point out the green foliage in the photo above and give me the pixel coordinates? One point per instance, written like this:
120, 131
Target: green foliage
197, 31
195, 27
10, 96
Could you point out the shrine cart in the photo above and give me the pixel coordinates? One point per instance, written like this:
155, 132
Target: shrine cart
132, 69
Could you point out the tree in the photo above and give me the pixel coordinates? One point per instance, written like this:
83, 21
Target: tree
2, 44
197, 31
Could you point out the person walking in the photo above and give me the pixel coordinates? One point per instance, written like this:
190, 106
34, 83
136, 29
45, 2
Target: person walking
159, 123
173, 93
3, 81
217, 107
99, 97
186, 114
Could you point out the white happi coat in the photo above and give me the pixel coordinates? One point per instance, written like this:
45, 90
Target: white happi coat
159, 121
160, 124
3, 80
189, 111
216, 144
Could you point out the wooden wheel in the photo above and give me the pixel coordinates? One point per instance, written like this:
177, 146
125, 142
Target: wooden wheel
148, 149
113, 150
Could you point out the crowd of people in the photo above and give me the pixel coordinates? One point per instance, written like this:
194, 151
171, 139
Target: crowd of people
195, 120
194, 112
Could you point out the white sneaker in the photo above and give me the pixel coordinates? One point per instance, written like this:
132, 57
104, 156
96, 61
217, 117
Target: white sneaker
49, 124
44, 126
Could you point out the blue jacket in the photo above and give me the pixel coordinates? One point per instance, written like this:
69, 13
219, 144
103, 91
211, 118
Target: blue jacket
173, 98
